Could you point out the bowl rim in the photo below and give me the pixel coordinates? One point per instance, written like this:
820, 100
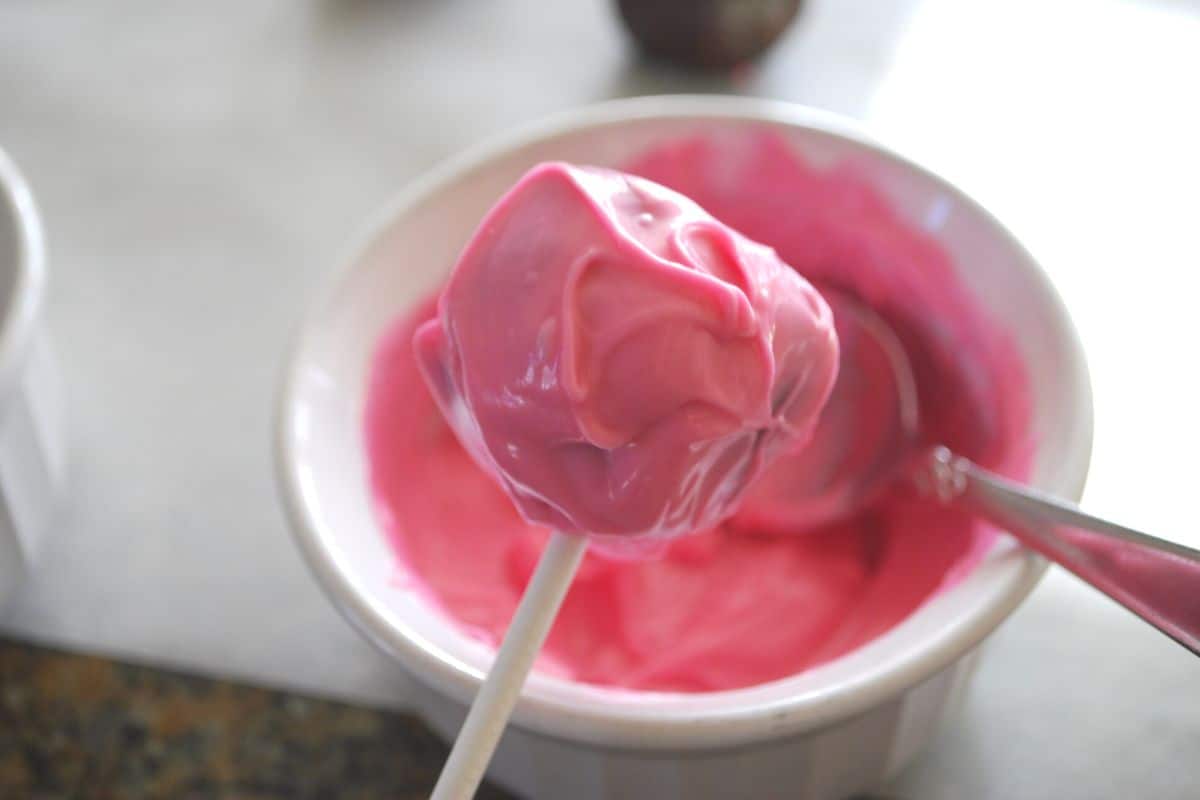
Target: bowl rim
694, 727
20, 310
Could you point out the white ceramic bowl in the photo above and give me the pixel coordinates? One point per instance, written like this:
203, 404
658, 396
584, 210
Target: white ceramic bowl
30, 454
838, 729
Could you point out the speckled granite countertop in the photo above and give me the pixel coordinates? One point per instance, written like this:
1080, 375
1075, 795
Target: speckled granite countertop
85, 727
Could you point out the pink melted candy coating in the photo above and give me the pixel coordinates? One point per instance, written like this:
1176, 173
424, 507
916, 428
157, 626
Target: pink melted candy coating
735, 605
624, 364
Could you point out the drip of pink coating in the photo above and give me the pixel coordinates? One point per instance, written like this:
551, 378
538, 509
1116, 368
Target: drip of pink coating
738, 605
624, 364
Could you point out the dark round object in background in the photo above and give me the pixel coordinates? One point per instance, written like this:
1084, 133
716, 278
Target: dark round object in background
710, 34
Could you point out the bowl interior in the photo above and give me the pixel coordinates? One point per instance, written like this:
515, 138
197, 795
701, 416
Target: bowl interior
414, 244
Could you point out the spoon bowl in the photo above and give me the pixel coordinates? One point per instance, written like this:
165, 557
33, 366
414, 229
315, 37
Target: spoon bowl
866, 433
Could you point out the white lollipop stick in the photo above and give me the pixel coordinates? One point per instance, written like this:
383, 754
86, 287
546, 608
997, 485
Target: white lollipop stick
489, 712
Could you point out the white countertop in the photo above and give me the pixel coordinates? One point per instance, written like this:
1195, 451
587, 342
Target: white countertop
199, 165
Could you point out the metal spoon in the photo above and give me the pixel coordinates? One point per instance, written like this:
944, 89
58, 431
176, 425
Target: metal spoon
1155, 579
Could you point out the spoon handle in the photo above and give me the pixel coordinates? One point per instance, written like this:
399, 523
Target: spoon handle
1155, 579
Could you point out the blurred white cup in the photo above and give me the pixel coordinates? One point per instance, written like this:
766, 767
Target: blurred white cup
31, 460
